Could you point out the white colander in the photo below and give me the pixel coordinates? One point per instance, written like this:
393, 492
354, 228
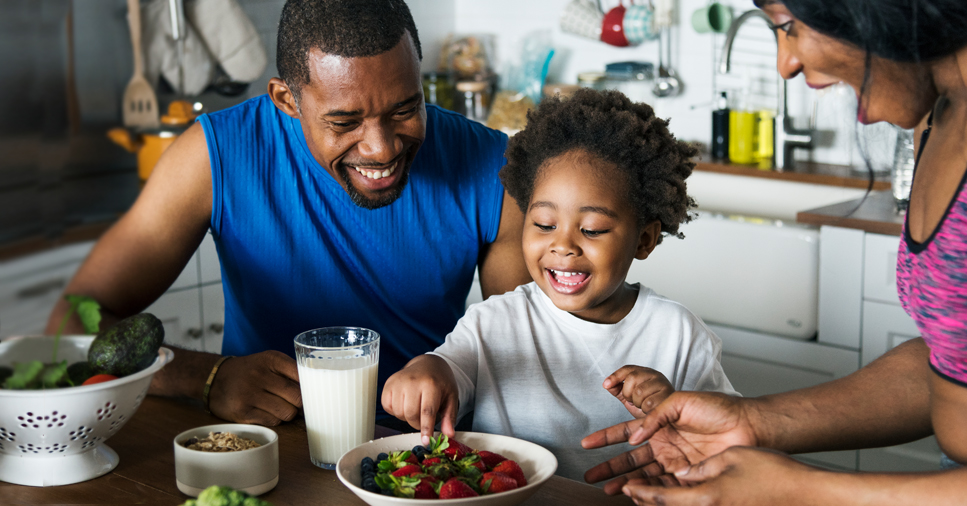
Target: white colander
56, 437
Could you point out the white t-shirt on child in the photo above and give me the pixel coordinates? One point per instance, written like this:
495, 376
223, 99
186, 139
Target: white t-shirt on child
532, 371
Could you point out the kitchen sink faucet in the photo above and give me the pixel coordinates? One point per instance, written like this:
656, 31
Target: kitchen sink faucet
786, 137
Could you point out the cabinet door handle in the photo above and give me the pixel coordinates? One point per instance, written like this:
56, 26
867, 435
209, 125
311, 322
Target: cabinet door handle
41, 289
195, 333
216, 328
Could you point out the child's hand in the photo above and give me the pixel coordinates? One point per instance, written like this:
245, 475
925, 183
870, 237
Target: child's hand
420, 393
640, 389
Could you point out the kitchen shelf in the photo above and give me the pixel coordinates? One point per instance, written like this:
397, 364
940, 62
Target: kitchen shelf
804, 172
877, 214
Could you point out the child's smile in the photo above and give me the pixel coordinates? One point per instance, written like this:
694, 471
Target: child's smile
581, 235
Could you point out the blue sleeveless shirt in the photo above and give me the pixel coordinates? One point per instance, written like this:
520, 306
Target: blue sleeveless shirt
297, 254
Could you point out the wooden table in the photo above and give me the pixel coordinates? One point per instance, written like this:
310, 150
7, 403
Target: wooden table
146, 474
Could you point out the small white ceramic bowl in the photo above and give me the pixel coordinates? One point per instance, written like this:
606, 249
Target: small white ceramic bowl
537, 462
254, 471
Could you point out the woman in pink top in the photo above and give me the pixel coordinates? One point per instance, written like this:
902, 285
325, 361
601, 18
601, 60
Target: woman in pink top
907, 61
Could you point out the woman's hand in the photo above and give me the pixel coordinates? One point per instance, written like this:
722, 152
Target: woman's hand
738, 476
638, 388
422, 392
685, 429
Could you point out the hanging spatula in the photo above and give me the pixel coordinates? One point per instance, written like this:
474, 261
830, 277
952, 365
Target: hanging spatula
140, 105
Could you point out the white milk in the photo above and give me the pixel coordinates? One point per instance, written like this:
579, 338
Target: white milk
340, 406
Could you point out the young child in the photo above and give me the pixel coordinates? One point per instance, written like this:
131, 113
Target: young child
600, 180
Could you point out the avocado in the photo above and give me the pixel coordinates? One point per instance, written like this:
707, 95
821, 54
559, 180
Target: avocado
78, 372
128, 346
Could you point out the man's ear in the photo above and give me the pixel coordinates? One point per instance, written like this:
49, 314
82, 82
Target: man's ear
648, 239
282, 97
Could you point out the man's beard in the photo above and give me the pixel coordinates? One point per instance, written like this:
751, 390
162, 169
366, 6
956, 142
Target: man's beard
385, 198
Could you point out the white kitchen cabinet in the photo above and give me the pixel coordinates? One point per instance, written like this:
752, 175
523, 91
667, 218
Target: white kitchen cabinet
859, 308
840, 286
180, 313
213, 316
759, 364
210, 270
30, 286
886, 326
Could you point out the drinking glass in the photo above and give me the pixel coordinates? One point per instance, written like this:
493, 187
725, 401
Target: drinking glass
337, 374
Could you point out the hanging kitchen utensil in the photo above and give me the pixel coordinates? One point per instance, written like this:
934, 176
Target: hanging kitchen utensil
139, 104
177, 12
667, 84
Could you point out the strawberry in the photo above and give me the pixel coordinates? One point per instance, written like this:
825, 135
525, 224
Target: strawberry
429, 461
472, 461
407, 470
457, 450
492, 483
510, 468
444, 470
426, 489
455, 488
491, 459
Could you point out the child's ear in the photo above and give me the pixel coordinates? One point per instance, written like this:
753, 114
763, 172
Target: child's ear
648, 239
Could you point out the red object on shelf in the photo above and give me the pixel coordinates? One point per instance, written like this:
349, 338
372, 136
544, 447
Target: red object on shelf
612, 29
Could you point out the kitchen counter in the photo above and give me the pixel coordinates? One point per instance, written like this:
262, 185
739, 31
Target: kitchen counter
804, 172
876, 214
146, 472
39, 216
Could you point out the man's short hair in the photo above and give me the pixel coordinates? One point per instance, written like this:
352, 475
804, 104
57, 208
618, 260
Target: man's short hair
348, 28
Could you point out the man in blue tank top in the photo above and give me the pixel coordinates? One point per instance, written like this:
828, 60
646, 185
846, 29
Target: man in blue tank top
337, 199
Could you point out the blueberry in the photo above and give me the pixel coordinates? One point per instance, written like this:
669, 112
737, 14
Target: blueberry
369, 475
419, 451
370, 484
381, 457
368, 467
367, 460
387, 491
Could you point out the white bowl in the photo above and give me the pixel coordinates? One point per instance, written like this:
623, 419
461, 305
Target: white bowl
254, 471
537, 462
56, 437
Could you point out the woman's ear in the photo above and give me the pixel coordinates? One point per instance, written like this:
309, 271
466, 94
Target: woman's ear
648, 239
961, 58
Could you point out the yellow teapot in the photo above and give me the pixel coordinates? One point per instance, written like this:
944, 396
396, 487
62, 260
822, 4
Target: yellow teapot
151, 143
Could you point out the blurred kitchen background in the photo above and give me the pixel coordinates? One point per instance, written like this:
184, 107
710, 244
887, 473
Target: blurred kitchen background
790, 261
65, 65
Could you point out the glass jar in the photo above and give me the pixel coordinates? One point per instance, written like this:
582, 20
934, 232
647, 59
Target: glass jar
438, 89
474, 99
593, 80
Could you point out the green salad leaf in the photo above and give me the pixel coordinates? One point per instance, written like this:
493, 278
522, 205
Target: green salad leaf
88, 310
35, 374
25, 375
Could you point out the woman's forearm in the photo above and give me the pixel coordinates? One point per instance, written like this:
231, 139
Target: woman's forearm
882, 404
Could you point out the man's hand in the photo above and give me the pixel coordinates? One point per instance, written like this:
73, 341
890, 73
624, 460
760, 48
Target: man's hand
640, 389
738, 476
420, 393
262, 389
685, 429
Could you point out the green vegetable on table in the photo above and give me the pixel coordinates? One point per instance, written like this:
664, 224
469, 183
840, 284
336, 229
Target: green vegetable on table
224, 496
127, 347
36, 374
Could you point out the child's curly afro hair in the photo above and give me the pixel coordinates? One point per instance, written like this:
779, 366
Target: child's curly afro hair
610, 126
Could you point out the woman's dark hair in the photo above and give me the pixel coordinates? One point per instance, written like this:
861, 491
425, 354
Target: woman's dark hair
899, 30
352, 29
613, 128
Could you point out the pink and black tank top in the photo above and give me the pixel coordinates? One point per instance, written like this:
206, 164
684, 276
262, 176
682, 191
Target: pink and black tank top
932, 284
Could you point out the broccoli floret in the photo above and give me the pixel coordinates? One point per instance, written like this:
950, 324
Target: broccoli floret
225, 496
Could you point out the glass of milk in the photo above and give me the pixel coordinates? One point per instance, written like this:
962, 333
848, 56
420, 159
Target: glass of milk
337, 373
